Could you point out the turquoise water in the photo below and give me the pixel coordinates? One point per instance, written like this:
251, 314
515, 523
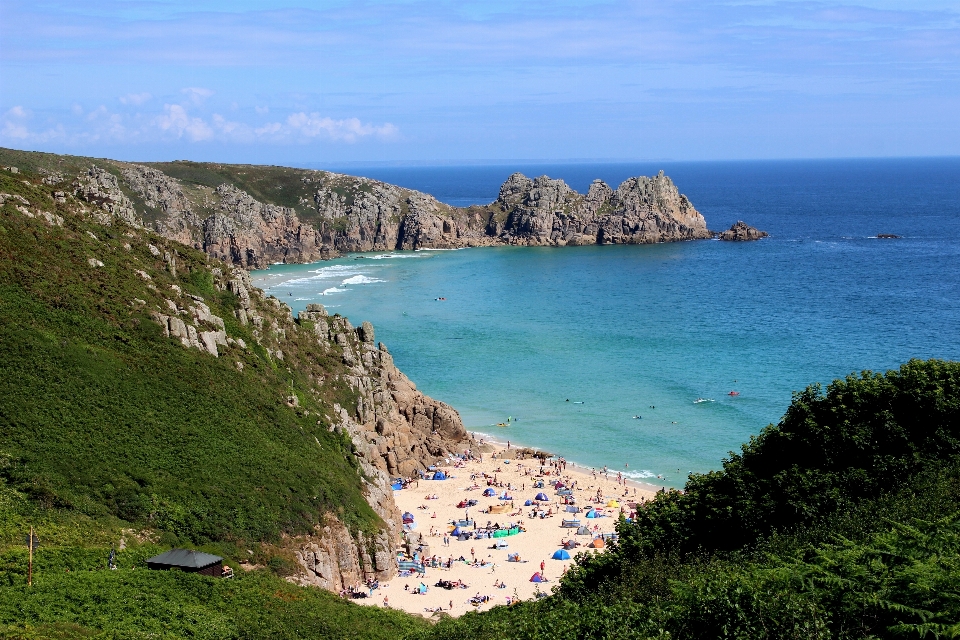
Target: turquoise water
531, 333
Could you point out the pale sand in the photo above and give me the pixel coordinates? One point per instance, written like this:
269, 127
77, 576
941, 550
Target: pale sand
535, 545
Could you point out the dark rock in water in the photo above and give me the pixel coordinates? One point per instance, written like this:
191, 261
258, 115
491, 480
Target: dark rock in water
741, 232
888, 235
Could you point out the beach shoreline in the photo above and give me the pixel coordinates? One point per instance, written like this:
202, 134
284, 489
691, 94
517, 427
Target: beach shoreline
483, 564
574, 467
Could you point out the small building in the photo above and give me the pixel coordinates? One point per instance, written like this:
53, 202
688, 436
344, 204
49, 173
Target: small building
205, 564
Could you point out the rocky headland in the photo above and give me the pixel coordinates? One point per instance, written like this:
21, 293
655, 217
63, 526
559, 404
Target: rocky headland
349, 386
254, 216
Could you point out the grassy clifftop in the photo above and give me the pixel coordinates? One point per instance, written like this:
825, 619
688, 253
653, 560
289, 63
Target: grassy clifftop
113, 435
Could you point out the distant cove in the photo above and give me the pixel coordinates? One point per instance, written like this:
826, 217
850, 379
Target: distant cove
627, 328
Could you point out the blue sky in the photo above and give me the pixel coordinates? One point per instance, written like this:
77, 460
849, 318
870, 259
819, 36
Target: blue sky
436, 80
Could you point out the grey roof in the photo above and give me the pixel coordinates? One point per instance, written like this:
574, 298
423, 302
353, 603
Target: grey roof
185, 558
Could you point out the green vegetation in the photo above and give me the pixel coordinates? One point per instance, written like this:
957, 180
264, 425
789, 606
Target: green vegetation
843, 521
110, 431
139, 603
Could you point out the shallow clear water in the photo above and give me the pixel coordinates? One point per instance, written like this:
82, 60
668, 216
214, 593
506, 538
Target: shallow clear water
532, 332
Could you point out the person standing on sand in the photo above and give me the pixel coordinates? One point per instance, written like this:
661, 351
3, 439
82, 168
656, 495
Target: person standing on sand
386, 602
473, 554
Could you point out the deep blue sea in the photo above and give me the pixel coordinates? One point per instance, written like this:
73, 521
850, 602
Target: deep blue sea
600, 353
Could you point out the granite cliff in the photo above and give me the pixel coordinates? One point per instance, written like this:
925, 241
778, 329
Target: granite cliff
330, 378
252, 216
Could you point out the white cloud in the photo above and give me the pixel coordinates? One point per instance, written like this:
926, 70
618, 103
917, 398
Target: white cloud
17, 112
135, 98
347, 130
262, 110
197, 95
177, 121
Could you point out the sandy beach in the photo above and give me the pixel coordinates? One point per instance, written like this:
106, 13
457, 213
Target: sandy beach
475, 562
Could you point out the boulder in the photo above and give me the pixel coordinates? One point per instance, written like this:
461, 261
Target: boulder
742, 232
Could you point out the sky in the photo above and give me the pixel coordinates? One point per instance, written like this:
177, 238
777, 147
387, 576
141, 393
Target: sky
423, 81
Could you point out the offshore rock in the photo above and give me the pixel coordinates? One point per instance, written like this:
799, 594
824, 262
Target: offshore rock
742, 232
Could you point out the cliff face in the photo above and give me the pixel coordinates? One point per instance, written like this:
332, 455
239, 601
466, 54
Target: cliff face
396, 430
329, 214
334, 377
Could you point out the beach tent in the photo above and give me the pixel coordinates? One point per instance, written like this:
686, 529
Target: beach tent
396, 486
456, 532
560, 554
573, 509
439, 475
513, 557
506, 496
536, 577
489, 492
596, 544
613, 504
592, 514
407, 518
542, 496
528, 503
583, 531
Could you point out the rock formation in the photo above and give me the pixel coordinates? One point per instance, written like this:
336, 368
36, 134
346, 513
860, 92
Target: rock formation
101, 189
252, 234
741, 232
339, 214
395, 429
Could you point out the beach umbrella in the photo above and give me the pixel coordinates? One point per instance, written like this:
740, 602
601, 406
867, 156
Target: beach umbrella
613, 504
561, 554
407, 518
542, 496
528, 503
536, 577
596, 544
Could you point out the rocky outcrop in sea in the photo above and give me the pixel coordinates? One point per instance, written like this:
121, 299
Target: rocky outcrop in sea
742, 232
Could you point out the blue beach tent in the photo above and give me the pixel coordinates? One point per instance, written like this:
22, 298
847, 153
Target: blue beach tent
536, 577
561, 554
489, 492
542, 496
528, 503
439, 475
456, 532
592, 514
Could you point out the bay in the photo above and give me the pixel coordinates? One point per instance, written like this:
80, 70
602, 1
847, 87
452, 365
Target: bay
645, 331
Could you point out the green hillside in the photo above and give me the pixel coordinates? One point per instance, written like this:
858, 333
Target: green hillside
842, 521
110, 431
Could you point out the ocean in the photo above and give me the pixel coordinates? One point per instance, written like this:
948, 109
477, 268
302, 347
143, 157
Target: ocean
600, 354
